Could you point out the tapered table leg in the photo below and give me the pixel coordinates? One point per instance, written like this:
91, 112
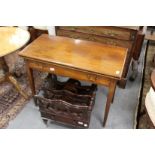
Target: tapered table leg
31, 81
110, 97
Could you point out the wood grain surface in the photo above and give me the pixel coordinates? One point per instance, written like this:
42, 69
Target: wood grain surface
86, 55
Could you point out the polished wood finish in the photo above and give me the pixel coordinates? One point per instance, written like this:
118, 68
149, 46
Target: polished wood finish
91, 56
11, 39
70, 72
118, 36
78, 59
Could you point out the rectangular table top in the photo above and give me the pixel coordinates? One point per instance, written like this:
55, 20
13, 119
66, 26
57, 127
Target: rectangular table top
80, 54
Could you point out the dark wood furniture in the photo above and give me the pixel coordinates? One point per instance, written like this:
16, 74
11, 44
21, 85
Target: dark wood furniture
68, 102
78, 59
11, 40
128, 37
35, 33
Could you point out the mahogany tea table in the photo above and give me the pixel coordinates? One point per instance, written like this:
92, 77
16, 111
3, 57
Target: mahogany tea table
78, 59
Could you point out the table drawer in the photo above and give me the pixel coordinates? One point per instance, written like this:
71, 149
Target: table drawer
106, 31
72, 73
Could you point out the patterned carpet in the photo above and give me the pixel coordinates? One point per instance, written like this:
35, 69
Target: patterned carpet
11, 102
144, 121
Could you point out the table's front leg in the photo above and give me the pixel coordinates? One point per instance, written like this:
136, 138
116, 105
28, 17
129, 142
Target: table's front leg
110, 97
31, 78
31, 81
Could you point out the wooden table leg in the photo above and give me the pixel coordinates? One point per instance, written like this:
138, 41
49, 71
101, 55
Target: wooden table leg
113, 95
31, 79
110, 97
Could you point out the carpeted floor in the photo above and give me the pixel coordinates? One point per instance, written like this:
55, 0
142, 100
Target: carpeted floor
11, 102
9, 110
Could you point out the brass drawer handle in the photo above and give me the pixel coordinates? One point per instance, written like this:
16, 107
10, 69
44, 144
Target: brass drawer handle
52, 69
92, 78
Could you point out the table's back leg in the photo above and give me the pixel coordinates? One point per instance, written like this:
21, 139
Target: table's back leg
110, 98
113, 95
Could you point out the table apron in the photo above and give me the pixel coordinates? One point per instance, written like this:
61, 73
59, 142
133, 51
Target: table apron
70, 72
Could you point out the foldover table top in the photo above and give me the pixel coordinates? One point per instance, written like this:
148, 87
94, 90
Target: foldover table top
78, 54
12, 39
